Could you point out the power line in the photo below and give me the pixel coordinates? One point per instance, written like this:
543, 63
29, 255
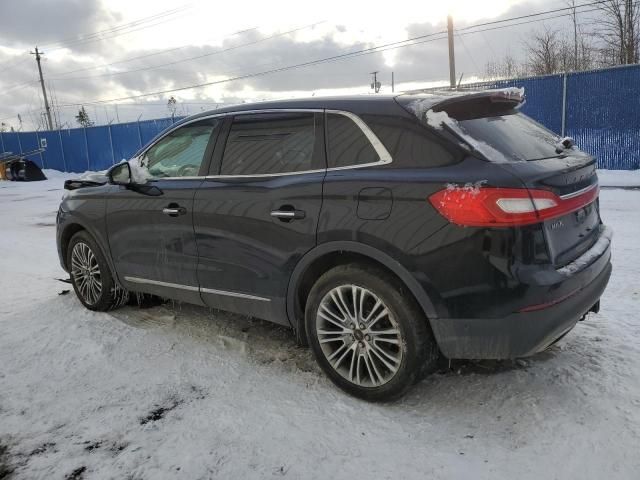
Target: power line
209, 54
375, 49
18, 85
13, 63
537, 14
100, 35
160, 52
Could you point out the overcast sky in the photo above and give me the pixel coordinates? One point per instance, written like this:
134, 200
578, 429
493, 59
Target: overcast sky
92, 48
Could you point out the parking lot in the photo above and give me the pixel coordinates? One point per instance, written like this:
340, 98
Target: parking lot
183, 392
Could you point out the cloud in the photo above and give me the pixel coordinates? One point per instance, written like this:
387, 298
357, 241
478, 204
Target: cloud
71, 18
30, 22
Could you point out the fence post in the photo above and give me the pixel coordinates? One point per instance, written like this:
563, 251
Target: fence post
86, 145
139, 135
2, 142
41, 157
564, 104
19, 142
113, 153
64, 160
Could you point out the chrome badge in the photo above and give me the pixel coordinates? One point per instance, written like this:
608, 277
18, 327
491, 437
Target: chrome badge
557, 224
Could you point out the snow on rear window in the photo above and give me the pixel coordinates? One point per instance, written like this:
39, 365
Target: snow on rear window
508, 137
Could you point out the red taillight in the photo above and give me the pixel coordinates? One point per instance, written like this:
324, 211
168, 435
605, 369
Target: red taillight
503, 207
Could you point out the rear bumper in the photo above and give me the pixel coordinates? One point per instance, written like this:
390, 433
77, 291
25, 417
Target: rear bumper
525, 333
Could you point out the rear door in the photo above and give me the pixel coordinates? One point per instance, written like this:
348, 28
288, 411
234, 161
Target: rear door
150, 224
257, 214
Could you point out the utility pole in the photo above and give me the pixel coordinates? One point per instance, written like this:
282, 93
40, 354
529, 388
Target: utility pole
452, 55
575, 34
393, 85
44, 91
376, 84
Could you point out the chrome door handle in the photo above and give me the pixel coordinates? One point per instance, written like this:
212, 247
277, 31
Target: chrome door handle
174, 211
288, 214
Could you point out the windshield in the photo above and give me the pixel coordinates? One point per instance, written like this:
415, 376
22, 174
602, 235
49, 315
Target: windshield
514, 135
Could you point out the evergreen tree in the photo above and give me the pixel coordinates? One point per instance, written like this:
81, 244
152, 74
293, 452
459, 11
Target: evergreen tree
83, 118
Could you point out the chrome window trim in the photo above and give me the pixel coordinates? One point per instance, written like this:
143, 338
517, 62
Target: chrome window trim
383, 153
197, 177
195, 289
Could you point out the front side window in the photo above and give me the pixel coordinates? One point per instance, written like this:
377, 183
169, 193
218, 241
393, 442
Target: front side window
347, 143
270, 143
181, 152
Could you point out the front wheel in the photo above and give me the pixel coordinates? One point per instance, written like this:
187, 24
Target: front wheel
367, 332
91, 277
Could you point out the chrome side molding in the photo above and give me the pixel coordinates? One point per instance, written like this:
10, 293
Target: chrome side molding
192, 288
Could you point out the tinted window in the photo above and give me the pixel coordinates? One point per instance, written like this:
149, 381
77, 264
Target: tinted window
409, 143
270, 143
180, 153
347, 144
516, 136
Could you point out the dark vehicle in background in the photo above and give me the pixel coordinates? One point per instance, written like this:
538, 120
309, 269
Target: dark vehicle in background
386, 231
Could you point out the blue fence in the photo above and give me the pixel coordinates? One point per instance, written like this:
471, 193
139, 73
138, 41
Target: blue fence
82, 149
600, 109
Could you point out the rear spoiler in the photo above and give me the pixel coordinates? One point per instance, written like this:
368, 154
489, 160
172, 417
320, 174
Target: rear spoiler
481, 104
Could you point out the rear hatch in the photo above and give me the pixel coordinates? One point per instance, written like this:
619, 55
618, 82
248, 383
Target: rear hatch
491, 126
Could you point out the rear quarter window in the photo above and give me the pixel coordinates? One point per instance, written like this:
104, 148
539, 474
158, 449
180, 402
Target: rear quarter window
409, 142
347, 145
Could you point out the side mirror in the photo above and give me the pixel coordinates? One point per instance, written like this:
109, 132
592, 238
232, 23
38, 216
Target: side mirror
120, 174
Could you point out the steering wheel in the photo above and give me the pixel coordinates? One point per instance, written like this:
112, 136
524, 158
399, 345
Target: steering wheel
184, 169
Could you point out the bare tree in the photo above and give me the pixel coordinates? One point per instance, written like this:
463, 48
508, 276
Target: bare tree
544, 52
507, 67
548, 52
618, 30
172, 106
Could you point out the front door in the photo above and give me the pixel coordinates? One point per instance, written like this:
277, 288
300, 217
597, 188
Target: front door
256, 218
150, 224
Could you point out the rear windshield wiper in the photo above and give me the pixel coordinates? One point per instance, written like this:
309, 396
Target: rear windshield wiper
566, 143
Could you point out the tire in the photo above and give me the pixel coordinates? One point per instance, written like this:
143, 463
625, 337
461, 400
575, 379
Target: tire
91, 276
354, 358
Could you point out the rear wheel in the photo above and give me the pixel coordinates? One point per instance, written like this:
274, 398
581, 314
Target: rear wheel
90, 275
367, 333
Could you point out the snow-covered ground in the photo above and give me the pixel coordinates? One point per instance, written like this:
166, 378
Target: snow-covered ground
619, 178
181, 392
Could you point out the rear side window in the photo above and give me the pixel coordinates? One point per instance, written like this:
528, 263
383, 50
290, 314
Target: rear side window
269, 143
347, 143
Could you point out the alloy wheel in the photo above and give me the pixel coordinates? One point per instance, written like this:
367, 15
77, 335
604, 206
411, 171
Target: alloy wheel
86, 273
359, 336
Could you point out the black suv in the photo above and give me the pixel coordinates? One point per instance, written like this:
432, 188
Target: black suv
386, 231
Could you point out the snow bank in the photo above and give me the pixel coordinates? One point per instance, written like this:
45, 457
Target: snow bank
619, 178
